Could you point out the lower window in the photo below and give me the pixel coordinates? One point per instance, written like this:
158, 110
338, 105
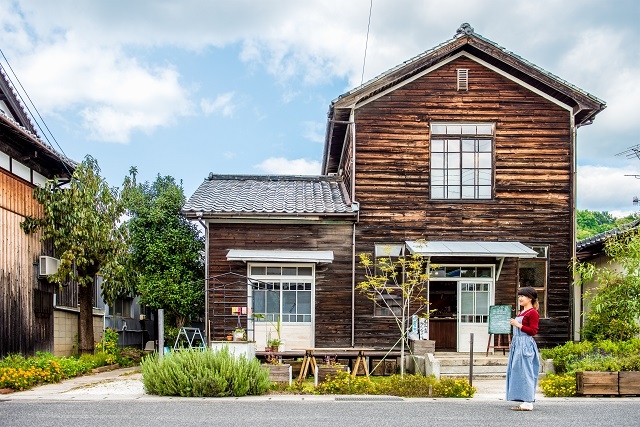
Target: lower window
282, 291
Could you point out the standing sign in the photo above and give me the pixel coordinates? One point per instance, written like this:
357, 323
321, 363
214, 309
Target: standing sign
499, 318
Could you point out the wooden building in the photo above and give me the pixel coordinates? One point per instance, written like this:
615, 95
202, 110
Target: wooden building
465, 154
26, 299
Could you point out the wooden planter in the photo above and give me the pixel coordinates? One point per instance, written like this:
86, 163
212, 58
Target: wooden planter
323, 370
279, 373
629, 383
595, 382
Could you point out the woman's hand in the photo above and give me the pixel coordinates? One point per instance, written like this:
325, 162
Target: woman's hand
515, 323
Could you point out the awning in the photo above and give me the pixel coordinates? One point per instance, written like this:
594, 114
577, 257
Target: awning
280, 256
471, 249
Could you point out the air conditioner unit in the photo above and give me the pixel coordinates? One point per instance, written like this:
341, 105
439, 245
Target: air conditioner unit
48, 266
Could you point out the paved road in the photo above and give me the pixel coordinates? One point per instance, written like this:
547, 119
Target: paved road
118, 399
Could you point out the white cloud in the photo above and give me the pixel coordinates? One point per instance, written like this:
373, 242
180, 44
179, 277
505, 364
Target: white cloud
314, 131
608, 189
282, 166
222, 104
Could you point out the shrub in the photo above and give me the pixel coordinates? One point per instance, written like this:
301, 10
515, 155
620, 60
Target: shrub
195, 373
109, 345
453, 387
343, 383
595, 356
554, 385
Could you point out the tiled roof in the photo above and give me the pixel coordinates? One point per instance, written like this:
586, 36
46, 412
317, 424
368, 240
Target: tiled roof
604, 236
267, 194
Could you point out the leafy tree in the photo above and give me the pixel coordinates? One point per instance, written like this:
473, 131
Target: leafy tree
166, 258
590, 223
615, 306
402, 280
81, 220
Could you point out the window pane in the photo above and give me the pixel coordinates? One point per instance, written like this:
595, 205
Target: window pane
468, 192
468, 271
484, 176
273, 271
454, 129
484, 145
468, 129
437, 192
468, 176
258, 301
437, 160
484, 160
453, 145
288, 302
532, 274
453, 160
439, 129
437, 145
469, 145
485, 130
305, 271
304, 302
453, 177
466, 303
437, 177
258, 271
484, 192
484, 272
482, 303
453, 192
273, 302
289, 271
468, 160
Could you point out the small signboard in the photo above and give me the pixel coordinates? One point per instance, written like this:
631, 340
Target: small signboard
499, 318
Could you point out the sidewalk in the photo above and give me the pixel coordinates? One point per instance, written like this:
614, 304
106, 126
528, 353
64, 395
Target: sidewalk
126, 384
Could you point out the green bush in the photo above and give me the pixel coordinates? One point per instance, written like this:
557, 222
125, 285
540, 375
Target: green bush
343, 383
595, 356
453, 387
563, 385
195, 373
20, 373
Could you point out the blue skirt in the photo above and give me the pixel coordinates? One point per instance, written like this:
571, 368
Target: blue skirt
523, 368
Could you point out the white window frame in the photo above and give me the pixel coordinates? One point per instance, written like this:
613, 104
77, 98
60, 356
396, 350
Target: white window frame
282, 278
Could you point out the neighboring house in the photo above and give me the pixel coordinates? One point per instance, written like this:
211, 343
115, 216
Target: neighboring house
465, 154
26, 298
592, 250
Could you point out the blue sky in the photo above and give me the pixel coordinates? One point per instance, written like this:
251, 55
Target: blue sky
188, 87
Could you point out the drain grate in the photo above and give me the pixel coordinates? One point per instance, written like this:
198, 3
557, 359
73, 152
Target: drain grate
370, 398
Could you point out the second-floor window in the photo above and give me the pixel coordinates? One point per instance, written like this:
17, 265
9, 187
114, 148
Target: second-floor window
462, 160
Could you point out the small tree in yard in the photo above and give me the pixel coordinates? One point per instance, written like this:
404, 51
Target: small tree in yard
166, 250
402, 280
615, 306
81, 221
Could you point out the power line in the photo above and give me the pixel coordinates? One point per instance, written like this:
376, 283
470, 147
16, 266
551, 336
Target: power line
366, 43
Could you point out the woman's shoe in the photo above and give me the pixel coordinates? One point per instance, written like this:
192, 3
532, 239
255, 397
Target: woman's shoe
524, 406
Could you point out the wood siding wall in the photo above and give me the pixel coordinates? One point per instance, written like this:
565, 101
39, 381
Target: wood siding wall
26, 303
333, 281
532, 177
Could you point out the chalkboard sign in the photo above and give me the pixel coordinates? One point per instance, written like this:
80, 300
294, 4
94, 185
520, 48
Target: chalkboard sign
499, 317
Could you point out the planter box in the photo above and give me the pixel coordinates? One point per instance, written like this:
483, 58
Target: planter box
323, 370
422, 347
594, 382
629, 383
279, 373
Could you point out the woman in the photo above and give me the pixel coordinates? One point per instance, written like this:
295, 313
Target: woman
524, 363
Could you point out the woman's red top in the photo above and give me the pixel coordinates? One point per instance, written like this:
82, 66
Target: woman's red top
530, 321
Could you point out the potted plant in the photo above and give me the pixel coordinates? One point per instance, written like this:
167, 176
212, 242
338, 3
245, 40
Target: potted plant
273, 344
239, 334
331, 366
276, 344
278, 372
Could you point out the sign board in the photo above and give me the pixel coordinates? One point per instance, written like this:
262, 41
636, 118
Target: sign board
499, 318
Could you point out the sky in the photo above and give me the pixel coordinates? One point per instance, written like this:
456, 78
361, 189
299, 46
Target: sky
191, 87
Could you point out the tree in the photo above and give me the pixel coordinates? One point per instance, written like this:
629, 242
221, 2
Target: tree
81, 220
396, 283
615, 306
166, 255
590, 223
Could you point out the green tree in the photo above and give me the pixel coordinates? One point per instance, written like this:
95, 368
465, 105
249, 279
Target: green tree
166, 257
615, 306
81, 220
400, 285
589, 223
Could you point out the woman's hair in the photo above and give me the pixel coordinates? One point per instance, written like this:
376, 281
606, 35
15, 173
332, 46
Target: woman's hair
530, 292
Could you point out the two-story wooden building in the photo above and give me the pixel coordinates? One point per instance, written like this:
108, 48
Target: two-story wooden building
465, 154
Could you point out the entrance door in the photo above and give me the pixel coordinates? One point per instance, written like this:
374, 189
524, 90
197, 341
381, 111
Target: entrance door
473, 314
443, 304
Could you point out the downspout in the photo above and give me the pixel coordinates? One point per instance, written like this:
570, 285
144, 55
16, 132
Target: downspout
353, 236
574, 189
206, 279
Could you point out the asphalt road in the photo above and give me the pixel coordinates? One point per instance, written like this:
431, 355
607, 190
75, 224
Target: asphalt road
312, 412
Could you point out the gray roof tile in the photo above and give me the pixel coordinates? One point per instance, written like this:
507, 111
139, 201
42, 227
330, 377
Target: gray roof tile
245, 194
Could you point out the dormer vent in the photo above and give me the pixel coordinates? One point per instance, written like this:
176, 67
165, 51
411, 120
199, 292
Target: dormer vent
463, 79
